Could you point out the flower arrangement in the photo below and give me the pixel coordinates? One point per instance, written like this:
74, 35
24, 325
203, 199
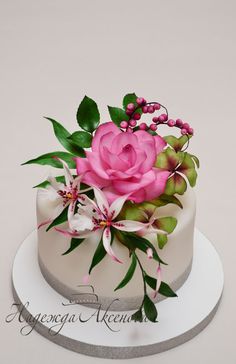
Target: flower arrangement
129, 172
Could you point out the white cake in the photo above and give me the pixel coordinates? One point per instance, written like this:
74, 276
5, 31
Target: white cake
65, 273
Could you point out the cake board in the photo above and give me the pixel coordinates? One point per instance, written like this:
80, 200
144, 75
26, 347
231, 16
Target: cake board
86, 330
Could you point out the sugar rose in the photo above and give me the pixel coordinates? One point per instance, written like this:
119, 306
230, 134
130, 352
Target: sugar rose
123, 163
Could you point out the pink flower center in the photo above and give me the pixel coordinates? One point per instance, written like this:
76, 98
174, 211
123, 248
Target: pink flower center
69, 194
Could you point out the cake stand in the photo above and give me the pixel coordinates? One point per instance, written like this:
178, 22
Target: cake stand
109, 334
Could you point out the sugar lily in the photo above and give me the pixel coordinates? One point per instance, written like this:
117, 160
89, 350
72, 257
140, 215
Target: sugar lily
62, 195
102, 215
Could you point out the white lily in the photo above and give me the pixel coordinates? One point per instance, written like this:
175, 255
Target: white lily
62, 195
102, 216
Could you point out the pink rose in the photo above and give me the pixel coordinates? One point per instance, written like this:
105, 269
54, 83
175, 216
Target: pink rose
122, 163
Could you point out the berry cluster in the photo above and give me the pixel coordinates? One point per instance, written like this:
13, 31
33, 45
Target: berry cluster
150, 108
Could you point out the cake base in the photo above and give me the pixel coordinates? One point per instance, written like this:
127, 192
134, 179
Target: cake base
107, 334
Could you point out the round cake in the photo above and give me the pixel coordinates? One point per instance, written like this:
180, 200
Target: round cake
116, 219
65, 272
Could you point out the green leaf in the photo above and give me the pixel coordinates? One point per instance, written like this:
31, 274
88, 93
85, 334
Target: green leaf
131, 211
168, 159
196, 160
81, 139
49, 159
187, 167
166, 199
166, 291
44, 184
152, 282
99, 254
74, 243
176, 184
133, 241
176, 143
149, 309
59, 219
88, 116
117, 115
129, 98
129, 273
137, 316
167, 224
162, 240
62, 135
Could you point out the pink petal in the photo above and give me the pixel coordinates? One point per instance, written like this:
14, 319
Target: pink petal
96, 164
122, 140
129, 225
157, 186
82, 165
107, 244
92, 179
160, 143
102, 130
131, 186
114, 161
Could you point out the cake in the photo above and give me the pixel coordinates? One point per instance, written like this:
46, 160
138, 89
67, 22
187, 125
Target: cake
116, 228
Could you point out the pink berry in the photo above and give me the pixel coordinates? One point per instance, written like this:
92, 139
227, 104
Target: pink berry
141, 101
129, 112
153, 127
161, 118
124, 124
165, 117
143, 126
145, 109
151, 109
155, 119
157, 106
136, 116
179, 123
190, 131
184, 131
130, 107
186, 126
132, 122
171, 123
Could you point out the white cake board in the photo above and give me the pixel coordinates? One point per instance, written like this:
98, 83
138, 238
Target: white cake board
180, 318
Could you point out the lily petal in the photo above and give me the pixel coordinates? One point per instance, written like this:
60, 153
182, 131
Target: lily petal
44, 223
107, 244
129, 225
158, 281
72, 234
101, 201
68, 176
116, 206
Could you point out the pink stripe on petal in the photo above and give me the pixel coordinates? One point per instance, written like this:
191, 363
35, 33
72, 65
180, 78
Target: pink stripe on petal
44, 223
107, 244
158, 281
67, 233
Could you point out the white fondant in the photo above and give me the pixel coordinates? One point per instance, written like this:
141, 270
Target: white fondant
70, 269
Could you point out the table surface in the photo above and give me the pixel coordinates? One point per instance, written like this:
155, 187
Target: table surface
180, 53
